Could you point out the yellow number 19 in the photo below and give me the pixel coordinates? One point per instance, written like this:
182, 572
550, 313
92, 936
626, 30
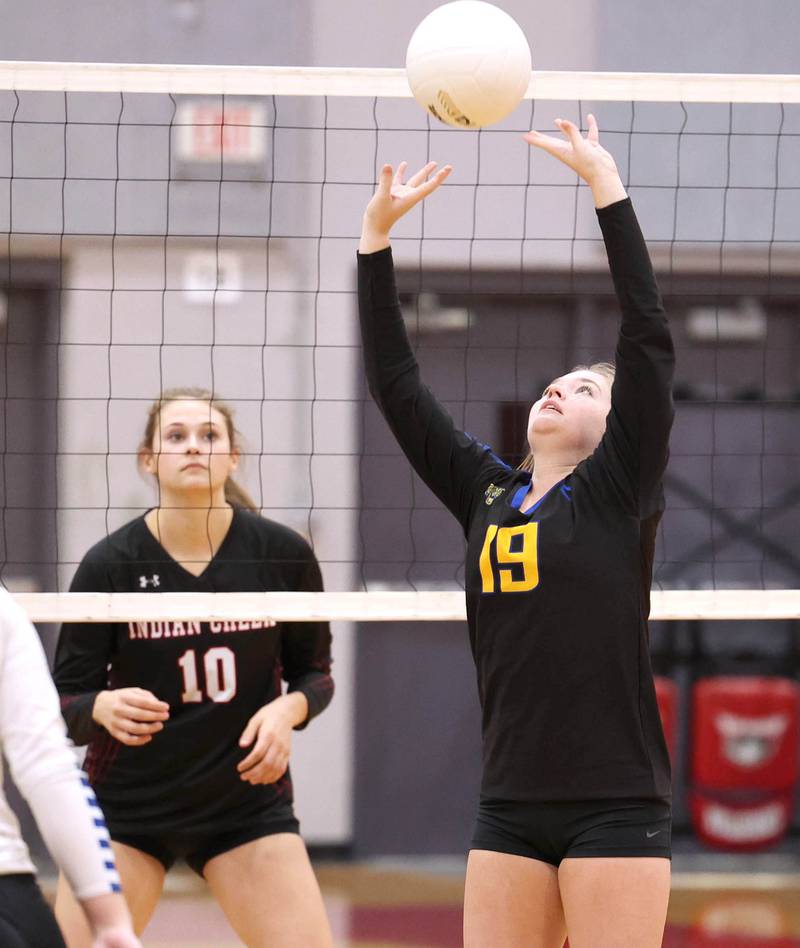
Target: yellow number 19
524, 557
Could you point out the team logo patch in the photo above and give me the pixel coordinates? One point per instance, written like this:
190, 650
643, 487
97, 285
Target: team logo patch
492, 493
145, 581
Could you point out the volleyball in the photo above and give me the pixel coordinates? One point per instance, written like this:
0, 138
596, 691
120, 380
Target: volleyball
468, 63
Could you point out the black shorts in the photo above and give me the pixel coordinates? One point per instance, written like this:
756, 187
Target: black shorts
26, 920
197, 848
552, 831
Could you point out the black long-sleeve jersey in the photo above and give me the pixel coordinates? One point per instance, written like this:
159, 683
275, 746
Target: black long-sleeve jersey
557, 597
214, 675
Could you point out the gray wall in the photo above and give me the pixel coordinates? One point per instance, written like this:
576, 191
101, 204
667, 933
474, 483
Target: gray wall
713, 36
158, 31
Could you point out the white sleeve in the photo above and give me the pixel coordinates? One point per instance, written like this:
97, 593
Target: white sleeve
35, 744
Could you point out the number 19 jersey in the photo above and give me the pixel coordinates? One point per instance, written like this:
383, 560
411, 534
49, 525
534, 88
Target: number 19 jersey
558, 596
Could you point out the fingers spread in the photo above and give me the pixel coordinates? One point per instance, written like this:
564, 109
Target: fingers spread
553, 146
422, 174
429, 186
594, 133
385, 180
442, 174
571, 131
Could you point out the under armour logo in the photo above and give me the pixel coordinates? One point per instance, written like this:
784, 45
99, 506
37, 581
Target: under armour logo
154, 581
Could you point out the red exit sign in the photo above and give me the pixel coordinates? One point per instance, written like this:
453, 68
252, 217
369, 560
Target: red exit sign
207, 132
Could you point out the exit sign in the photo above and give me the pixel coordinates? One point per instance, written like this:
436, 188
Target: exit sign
206, 132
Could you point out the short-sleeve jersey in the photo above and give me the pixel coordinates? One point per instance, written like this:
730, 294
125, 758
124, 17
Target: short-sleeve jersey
213, 675
557, 596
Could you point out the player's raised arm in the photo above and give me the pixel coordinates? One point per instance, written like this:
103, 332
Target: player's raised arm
637, 434
393, 199
448, 460
587, 158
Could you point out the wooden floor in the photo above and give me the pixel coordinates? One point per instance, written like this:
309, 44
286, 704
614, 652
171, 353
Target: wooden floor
389, 908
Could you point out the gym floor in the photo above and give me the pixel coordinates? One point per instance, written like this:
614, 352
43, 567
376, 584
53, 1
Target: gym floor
419, 906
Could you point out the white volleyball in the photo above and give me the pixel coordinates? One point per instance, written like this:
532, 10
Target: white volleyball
468, 63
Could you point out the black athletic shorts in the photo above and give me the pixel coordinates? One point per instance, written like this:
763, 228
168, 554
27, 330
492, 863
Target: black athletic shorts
26, 920
552, 831
198, 848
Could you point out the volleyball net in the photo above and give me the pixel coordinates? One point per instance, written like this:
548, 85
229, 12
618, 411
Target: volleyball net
166, 226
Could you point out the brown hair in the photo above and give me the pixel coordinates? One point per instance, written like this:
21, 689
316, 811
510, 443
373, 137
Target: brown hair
606, 369
235, 495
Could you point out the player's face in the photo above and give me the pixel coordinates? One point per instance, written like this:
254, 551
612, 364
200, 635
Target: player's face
571, 414
191, 448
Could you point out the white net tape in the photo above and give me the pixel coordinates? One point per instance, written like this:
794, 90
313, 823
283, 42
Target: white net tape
285, 80
369, 607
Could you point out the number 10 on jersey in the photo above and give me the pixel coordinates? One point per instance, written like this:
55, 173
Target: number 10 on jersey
219, 666
516, 555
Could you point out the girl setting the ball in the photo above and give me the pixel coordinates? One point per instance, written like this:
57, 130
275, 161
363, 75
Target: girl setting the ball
572, 835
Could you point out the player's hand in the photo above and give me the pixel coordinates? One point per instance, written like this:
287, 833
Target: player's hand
131, 715
110, 921
116, 938
394, 198
586, 156
269, 731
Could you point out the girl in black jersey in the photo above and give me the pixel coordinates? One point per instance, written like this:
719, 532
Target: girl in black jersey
188, 732
573, 827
